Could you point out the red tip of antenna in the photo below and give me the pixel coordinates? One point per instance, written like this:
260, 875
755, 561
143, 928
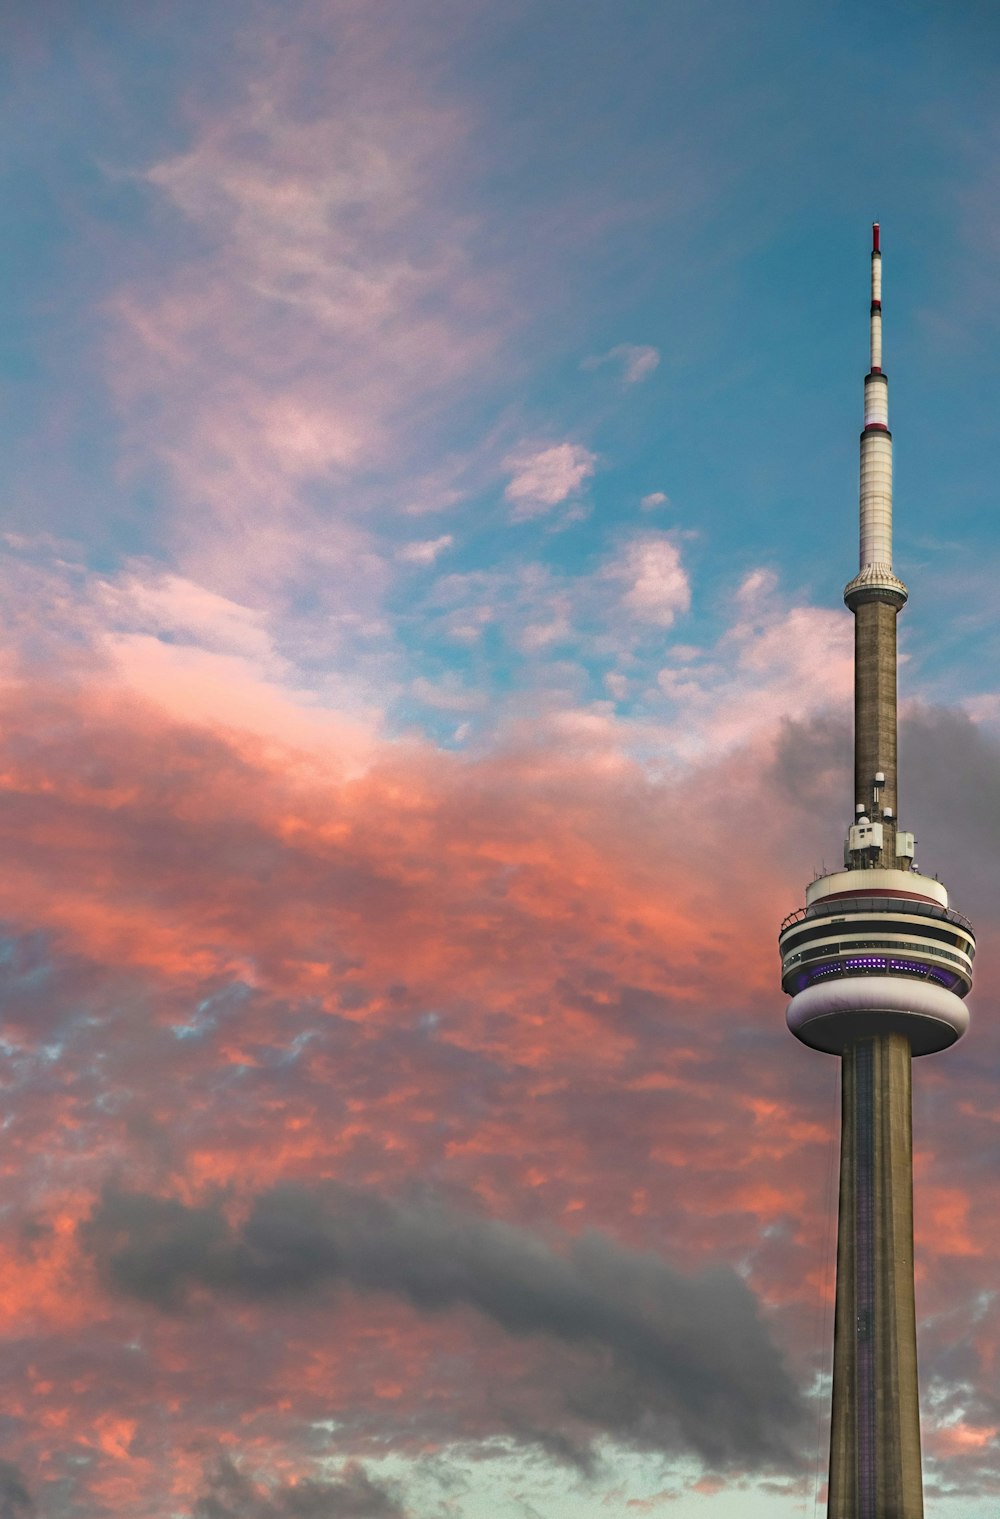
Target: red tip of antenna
875, 246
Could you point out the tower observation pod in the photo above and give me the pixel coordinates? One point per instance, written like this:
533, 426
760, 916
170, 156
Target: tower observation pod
877, 964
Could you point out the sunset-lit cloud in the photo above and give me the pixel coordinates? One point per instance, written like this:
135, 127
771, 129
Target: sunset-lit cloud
423, 969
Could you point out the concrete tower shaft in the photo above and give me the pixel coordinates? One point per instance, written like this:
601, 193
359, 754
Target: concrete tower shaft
875, 1438
875, 728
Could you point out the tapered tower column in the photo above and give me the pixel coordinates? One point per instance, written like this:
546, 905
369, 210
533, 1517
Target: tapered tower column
877, 963
875, 1436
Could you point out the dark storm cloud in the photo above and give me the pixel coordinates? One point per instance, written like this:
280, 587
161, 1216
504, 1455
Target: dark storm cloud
231, 1494
685, 1360
949, 772
556, 1444
950, 768
15, 1500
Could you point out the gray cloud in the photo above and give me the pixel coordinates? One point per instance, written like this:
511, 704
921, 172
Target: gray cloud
949, 771
950, 775
681, 1361
15, 1500
231, 1494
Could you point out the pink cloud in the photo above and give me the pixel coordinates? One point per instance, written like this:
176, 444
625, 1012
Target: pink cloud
545, 477
658, 589
326, 311
773, 662
224, 690
960, 1439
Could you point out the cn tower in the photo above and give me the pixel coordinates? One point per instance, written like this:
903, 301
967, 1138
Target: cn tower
877, 964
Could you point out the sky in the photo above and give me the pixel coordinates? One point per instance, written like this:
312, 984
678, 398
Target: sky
428, 451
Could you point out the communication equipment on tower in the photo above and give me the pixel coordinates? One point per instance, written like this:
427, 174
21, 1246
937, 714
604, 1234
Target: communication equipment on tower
905, 844
865, 835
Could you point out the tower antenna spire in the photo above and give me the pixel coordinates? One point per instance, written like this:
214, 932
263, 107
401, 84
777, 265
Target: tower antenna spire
877, 964
876, 596
875, 347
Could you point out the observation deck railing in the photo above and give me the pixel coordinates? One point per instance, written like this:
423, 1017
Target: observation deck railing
922, 909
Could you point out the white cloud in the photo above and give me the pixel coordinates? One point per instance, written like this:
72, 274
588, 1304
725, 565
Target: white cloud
756, 590
653, 500
678, 686
547, 476
149, 601
636, 361
535, 637
426, 550
658, 585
